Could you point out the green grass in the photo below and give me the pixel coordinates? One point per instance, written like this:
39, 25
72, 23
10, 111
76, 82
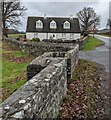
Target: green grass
91, 44
10, 70
15, 35
13, 73
20, 54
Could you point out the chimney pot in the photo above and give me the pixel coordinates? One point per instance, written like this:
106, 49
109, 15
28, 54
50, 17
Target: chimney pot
71, 17
45, 17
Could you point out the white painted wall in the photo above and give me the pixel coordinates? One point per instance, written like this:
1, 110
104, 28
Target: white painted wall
76, 36
51, 35
60, 36
29, 35
42, 36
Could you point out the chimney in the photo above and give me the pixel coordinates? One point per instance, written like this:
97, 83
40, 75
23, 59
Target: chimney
71, 17
45, 17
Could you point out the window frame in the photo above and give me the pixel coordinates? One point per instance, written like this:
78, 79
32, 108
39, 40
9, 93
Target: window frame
63, 35
66, 25
71, 35
39, 24
53, 25
35, 35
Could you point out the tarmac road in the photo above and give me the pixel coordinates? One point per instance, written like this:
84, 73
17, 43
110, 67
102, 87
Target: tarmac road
101, 54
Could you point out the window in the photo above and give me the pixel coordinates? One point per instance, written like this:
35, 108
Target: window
53, 25
64, 35
39, 24
71, 35
53, 35
66, 25
35, 35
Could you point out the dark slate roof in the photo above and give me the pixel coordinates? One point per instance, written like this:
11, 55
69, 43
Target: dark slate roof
74, 24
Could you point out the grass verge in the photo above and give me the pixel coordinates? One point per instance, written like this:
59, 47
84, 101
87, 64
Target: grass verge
14, 64
92, 43
83, 96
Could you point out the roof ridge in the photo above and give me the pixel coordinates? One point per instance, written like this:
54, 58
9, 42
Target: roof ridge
51, 17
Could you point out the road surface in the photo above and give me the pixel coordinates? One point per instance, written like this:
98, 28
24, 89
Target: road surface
100, 54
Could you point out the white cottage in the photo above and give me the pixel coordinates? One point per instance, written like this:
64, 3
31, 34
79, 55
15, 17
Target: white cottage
53, 28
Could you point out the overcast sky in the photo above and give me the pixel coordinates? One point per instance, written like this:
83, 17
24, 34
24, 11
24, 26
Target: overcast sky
64, 9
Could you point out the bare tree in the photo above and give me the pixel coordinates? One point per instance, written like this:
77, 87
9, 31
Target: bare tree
88, 18
11, 13
109, 23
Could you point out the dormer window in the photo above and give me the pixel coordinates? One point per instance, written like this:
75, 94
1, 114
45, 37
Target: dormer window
66, 25
39, 24
53, 25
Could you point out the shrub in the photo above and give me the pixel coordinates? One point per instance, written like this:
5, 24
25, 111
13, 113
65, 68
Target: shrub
35, 40
84, 33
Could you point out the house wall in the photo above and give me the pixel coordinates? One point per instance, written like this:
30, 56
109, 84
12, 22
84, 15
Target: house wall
51, 34
60, 36
29, 35
42, 36
77, 35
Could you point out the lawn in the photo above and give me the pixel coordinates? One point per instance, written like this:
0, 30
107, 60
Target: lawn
92, 43
14, 64
15, 35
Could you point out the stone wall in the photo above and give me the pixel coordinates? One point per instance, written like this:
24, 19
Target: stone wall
81, 42
59, 41
37, 49
42, 94
42, 61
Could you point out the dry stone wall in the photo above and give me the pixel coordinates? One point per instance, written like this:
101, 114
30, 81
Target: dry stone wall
42, 61
42, 94
37, 49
